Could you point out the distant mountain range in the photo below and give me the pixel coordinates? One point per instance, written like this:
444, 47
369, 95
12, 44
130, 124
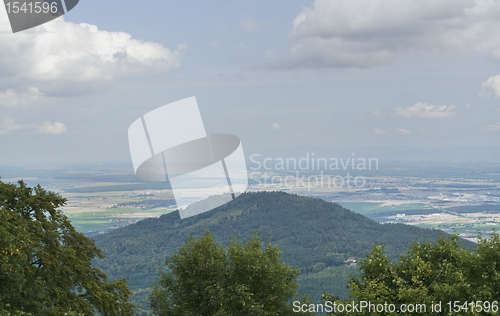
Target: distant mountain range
314, 235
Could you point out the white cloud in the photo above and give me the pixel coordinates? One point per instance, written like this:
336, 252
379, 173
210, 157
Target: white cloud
491, 128
55, 128
11, 99
275, 126
402, 131
64, 51
7, 125
491, 87
379, 131
426, 110
360, 33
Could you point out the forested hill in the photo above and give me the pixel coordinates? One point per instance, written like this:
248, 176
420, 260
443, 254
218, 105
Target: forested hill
314, 235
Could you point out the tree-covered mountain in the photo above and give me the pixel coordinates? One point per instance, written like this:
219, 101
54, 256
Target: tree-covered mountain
313, 235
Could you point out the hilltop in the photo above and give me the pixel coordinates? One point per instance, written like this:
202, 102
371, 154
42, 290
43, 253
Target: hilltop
314, 235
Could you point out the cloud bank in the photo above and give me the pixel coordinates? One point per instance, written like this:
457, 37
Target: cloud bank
11, 99
491, 87
49, 128
359, 33
8, 125
426, 110
62, 51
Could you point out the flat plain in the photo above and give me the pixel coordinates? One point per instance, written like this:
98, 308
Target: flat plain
460, 198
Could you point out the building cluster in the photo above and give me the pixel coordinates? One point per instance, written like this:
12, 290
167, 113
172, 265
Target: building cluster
351, 262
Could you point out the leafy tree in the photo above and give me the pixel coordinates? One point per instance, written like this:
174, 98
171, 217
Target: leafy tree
430, 273
205, 279
45, 265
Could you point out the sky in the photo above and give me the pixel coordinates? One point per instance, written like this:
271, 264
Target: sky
278, 74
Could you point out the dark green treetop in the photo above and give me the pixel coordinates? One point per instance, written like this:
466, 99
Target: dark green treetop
45, 264
429, 273
205, 279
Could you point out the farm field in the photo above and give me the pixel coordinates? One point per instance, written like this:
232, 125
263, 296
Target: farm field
99, 212
95, 221
382, 207
464, 200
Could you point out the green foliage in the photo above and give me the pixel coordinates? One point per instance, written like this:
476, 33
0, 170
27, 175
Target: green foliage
314, 235
444, 271
204, 279
45, 265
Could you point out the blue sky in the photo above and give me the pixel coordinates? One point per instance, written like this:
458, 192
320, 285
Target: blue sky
277, 74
